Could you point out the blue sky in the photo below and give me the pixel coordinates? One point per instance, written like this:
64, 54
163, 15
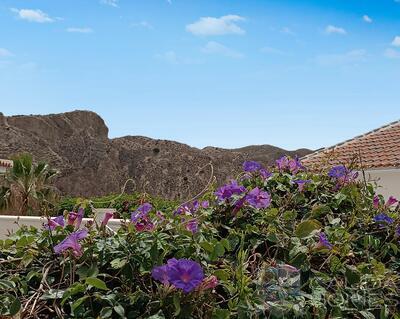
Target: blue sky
229, 73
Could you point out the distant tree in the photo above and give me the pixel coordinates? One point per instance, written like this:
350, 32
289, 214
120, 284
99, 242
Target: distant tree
27, 186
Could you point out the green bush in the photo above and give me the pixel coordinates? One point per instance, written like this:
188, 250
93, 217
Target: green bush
285, 244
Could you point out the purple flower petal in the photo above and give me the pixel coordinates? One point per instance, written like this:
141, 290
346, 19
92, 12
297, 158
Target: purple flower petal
251, 166
258, 198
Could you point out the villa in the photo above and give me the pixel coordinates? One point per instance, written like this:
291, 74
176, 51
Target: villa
375, 154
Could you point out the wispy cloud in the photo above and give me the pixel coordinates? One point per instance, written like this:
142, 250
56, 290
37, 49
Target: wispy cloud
216, 26
367, 19
270, 50
353, 57
80, 30
331, 29
171, 57
396, 41
142, 24
213, 47
112, 3
5, 53
287, 30
392, 54
33, 15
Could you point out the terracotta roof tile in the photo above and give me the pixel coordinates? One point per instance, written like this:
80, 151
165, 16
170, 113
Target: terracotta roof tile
376, 149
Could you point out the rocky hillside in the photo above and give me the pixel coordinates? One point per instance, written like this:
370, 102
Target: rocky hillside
91, 164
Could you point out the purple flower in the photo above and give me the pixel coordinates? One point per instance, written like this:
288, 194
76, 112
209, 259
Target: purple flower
338, 172
391, 201
293, 165
258, 198
398, 232
227, 191
251, 166
106, 218
71, 242
383, 218
192, 226
205, 204
185, 274
160, 273
324, 242
376, 201
55, 222
265, 174
282, 163
141, 212
75, 219
301, 183
145, 224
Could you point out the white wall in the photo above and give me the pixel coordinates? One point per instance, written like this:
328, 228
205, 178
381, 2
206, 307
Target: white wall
387, 179
9, 224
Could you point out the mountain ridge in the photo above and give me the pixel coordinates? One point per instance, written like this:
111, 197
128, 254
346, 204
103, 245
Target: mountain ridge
92, 164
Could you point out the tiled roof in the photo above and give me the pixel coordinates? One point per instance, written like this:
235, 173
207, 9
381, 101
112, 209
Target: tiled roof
376, 149
6, 163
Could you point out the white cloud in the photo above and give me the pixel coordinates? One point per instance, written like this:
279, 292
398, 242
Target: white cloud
33, 15
392, 54
142, 24
349, 58
367, 19
270, 50
396, 41
213, 47
331, 29
112, 3
80, 30
216, 26
5, 53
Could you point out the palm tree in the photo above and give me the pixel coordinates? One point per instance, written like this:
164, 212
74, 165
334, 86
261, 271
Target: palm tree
27, 185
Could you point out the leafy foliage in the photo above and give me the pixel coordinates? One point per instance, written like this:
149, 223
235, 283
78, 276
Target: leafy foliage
27, 186
314, 250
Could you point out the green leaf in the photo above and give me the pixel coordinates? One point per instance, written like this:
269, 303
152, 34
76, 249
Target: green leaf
15, 307
6, 285
352, 275
225, 242
304, 229
222, 274
158, 315
221, 314
78, 302
219, 250
119, 310
207, 246
76, 288
106, 312
177, 304
367, 314
97, 283
118, 263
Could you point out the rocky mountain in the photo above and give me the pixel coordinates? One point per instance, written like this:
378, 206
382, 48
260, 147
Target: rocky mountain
91, 164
